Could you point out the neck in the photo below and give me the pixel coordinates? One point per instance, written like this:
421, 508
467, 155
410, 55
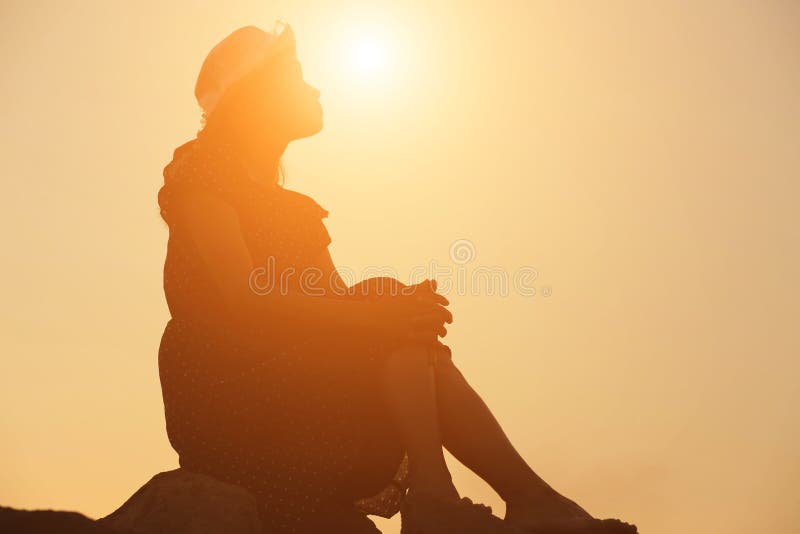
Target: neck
262, 159
261, 155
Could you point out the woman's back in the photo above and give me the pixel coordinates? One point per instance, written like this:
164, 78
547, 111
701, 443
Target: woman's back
282, 229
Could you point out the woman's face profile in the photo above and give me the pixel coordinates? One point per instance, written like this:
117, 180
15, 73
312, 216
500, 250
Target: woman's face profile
291, 107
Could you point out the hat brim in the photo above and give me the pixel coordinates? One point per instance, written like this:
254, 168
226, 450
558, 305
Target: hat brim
283, 45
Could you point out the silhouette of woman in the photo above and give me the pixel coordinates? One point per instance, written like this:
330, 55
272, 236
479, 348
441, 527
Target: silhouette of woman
327, 402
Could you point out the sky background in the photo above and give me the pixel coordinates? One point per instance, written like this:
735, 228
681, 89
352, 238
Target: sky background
642, 157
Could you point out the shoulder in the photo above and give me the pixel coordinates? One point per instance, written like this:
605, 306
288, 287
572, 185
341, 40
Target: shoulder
198, 170
204, 165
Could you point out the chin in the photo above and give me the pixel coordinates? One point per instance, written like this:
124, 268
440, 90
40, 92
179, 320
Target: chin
310, 129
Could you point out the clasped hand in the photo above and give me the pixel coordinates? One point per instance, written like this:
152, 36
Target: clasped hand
417, 312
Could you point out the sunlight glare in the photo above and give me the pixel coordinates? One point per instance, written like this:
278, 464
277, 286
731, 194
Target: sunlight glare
368, 57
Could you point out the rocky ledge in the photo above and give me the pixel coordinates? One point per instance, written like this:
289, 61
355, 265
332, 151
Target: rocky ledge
174, 502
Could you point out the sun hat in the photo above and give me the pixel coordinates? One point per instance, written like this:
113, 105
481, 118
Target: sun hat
239, 53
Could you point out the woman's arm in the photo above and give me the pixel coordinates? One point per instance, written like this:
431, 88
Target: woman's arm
214, 228
423, 290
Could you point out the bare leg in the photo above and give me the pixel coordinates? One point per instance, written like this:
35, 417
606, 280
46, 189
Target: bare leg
409, 389
473, 435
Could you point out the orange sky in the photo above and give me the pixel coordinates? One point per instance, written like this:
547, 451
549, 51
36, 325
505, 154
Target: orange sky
642, 157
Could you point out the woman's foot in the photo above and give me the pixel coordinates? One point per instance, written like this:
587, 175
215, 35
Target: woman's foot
433, 487
548, 511
425, 515
544, 505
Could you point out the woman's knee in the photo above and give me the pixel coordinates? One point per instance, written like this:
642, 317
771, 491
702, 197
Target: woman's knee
444, 367
412, 351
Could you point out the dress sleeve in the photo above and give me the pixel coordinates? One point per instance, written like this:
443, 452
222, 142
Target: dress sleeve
306, 223
203, 170
318, 237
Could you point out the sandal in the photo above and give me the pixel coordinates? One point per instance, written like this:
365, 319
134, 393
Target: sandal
432, 515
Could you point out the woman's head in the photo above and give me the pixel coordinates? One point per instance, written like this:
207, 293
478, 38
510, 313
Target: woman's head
254, 91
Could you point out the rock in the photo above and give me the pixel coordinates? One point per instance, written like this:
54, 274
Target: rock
181, 501
14, 521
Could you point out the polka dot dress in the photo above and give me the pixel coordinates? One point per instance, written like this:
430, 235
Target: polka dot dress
295, 417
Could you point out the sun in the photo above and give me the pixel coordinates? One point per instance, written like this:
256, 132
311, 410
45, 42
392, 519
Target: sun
369, 56
369, 59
